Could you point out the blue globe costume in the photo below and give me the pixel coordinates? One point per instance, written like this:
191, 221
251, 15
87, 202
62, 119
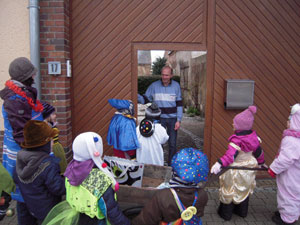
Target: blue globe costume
122, 129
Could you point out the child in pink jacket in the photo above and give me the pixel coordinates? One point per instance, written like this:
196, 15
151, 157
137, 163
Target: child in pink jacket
243, 150
286, 168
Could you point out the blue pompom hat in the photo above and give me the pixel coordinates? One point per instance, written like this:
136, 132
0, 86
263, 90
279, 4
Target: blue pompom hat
122, 105
119, 103
191, 165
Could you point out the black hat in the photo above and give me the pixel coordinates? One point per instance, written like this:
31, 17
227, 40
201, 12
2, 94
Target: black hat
146, 127
153, 112
48, 110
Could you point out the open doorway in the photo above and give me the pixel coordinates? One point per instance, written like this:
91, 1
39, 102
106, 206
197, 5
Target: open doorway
189, 69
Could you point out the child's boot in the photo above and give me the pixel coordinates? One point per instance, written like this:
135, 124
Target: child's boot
242, 208
225, 210
276, 218
4, 204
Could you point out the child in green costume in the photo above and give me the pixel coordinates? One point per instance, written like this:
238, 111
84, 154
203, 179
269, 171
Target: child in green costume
90, 188
7, 186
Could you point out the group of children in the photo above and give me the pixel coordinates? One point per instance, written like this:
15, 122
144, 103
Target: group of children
90, 187
35, 172
144, 142
38, 171
27, 156
244, 150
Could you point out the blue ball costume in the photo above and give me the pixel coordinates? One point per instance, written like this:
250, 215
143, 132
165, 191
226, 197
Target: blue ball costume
122, 128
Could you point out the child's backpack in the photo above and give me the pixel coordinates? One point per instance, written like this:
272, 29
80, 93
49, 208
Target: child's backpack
188, 215
147, 127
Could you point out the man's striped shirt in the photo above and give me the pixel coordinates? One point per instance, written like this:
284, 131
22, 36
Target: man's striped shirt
168, 98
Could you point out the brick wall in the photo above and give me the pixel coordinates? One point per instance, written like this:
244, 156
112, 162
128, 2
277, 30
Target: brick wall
55, 46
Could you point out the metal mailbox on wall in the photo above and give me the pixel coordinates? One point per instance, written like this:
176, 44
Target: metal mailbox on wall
239, 93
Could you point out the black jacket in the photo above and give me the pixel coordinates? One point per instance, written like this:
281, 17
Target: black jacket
38, 177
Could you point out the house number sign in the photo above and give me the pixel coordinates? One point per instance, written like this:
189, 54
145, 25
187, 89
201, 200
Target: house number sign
54, 68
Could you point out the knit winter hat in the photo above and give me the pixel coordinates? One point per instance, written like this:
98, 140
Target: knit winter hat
295, 117
191, 165
37, 133
153, 112
245, 119
122, 105
87, 146
20, 69
295, 108
48, 110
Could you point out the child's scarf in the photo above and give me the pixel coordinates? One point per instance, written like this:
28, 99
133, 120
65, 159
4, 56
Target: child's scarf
175, 181
77, 171
292, 133
38, 107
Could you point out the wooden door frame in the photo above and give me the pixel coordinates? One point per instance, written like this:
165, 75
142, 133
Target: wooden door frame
210, 72
179, 47
156, 46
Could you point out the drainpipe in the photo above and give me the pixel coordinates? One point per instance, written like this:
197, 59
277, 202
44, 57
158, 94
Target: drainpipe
34, 33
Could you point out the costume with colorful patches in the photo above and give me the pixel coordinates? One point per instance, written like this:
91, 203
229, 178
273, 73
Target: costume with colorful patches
90, 188
183, 202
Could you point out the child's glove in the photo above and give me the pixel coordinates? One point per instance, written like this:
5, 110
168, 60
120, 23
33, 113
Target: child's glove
271, 172
263, 166
216, 168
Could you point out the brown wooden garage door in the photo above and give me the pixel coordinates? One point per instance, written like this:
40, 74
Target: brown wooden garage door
105, 37
256, 40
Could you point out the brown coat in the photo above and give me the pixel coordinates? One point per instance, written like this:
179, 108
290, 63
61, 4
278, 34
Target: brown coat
163, 207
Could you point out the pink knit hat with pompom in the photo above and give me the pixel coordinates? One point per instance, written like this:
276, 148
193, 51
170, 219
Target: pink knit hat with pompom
245, 119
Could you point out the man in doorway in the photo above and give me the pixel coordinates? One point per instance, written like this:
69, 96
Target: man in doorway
166, 94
